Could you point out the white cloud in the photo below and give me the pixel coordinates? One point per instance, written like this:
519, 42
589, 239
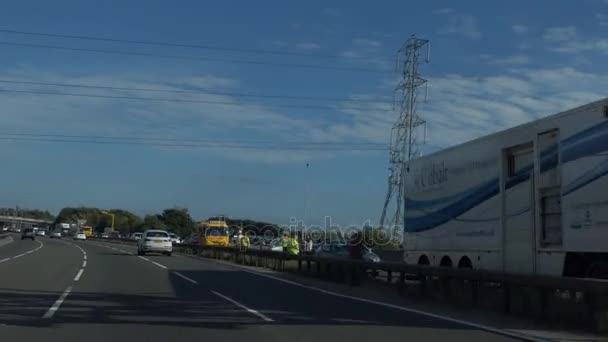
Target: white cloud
519, 28
463, 108
307, 46
368, 43
234, 119
463, 25
511, 60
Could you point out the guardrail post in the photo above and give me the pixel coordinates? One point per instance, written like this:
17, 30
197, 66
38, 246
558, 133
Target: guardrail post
389, 276
401, 285
474, 293
299, 264
507, 298
444, 286
543, 300
318, 266
308, 266
422, 284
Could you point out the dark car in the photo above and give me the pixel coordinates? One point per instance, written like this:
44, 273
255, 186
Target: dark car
338, 250
28, 233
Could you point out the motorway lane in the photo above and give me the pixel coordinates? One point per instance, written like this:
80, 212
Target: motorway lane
298, 312
123, 297
30, 284
16, 247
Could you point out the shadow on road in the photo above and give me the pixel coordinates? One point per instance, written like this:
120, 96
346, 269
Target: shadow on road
195, 305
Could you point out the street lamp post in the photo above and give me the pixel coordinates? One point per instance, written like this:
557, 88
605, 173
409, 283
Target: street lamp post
109, 214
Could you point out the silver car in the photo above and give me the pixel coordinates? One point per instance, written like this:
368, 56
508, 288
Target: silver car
155, 241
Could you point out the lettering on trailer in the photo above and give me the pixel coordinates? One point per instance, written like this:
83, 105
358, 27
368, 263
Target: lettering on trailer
431, 177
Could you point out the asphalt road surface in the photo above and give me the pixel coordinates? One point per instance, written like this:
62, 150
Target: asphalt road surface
62, 290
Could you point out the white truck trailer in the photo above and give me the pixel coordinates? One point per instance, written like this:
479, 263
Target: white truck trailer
530, 199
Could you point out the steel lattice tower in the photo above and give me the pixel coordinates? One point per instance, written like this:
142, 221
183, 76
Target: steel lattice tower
404, 144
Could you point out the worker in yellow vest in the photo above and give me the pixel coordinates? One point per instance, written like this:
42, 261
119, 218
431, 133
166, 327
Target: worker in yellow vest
243, 241
291, 245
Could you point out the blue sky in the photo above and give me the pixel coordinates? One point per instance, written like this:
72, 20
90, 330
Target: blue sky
493, 65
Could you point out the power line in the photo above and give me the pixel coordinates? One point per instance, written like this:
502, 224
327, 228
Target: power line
220, 145
194, 58
226, 103
243, 142
182, 91
195, 46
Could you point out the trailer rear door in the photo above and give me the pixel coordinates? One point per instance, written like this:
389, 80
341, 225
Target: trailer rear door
519, 247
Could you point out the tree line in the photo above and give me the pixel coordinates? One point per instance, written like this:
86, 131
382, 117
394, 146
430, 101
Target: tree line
177, 220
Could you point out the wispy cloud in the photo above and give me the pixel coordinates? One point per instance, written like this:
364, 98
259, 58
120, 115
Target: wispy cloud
463, 108
227, 118
567, 39
307, 46
602, 19
444, 10
560, 34
464, 25
366, 51
332, 12
520, 29
511, 60
366, 42
351, 54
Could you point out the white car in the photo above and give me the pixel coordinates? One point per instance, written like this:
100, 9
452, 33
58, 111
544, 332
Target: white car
40, 233
55, 235
174, 238
157, 241
80, 236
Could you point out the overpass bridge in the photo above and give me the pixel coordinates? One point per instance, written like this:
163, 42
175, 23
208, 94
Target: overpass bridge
7, 220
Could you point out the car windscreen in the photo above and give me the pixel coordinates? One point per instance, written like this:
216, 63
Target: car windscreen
28, 230
172, 235
212, 231
156, 234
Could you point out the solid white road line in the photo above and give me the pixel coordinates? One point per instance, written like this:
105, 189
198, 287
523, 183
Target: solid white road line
19, 256
3, 260
392, 306
84, 264
184, 277
55, 307
255, 312
77, 278
142, 258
